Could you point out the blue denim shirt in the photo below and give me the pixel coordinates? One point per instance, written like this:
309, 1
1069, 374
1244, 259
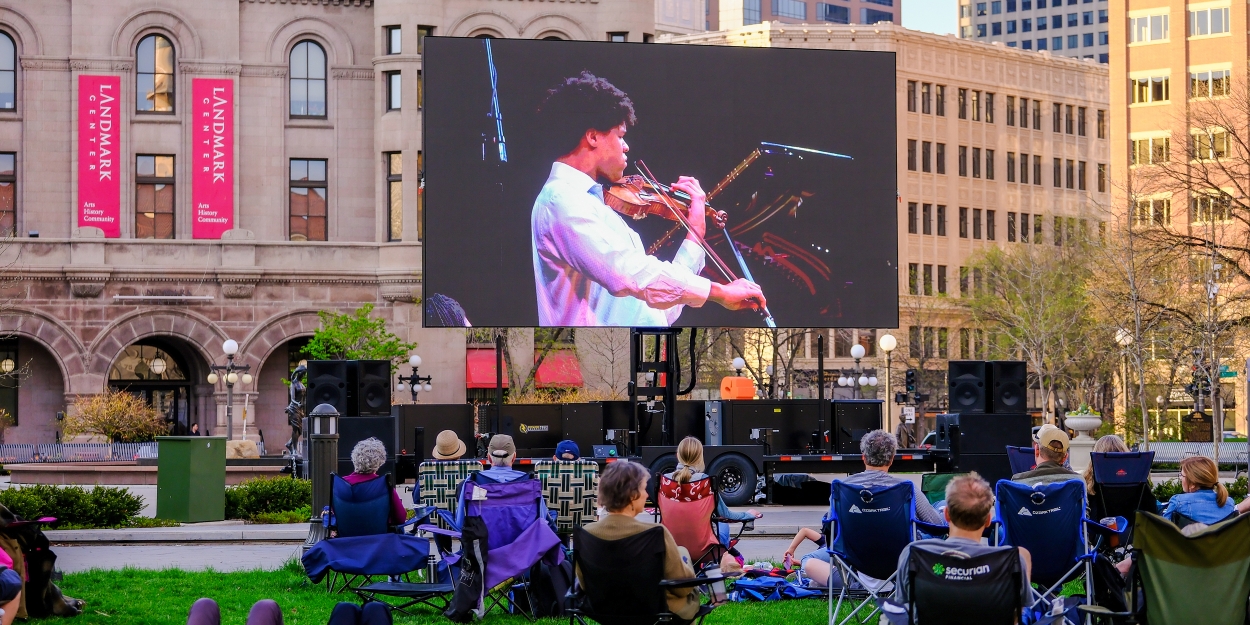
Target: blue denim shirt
1199, 506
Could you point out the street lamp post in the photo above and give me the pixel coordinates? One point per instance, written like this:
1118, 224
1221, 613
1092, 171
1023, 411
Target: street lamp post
1159, 414
887, 343
230, 374
857, 378
415, 382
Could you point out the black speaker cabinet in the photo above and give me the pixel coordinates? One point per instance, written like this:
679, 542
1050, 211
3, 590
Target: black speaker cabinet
432, 419
794, 419
327, 384
852, 419
980, 433
582, 424
372, 383
1009, 385
991, 467
687, 421
352, 430
967, 386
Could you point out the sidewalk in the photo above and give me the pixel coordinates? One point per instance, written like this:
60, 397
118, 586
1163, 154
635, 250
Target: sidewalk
220, 532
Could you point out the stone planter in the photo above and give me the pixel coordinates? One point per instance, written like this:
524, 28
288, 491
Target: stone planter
1084, 424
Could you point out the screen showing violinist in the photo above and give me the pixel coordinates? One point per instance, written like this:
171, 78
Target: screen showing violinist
578, 184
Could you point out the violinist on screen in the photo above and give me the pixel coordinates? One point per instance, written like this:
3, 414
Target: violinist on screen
590, 267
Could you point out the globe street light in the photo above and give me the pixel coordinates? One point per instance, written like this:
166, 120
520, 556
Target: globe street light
887, 343
738, 365
7, 365
414, 382
229, 372
157, 366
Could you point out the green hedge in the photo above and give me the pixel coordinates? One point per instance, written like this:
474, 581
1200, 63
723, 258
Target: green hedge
101, 506
1164, 490
260, 499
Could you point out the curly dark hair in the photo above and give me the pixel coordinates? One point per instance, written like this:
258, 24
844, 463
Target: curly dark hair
580, 103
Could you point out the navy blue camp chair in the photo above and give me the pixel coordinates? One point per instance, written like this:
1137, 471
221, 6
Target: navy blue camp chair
870, 526
1021, 459
364, 544
1121, 488
1048, 520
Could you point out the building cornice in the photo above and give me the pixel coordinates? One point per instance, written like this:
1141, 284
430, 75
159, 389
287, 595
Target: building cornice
338, 3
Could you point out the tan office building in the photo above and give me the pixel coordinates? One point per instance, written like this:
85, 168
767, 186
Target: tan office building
120, 263
995, 146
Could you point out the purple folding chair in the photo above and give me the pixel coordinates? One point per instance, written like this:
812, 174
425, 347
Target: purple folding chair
503, 535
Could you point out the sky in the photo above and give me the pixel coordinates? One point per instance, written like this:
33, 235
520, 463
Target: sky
934, 16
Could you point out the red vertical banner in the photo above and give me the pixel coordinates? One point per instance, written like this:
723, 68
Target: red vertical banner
212, 157
99, 161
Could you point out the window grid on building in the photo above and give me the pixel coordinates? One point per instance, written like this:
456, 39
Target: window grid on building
308, 80
8, 73
154, 75
395, 195
154, 196
8, 194
308, 207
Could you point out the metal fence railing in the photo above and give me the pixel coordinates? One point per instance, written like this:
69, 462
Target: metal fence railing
76, 452
1172, 453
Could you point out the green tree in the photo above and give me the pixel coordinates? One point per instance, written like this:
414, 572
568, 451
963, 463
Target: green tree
356, 336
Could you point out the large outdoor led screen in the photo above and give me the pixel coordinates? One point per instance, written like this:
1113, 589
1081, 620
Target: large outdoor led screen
563, 184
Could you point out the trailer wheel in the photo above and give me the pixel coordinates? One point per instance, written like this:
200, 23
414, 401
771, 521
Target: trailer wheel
737, 478
664, 464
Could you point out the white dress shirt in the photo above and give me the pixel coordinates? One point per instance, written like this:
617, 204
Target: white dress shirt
591, 269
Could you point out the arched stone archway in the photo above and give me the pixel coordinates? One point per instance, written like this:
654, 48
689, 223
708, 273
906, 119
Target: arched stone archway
197, 331
60, 342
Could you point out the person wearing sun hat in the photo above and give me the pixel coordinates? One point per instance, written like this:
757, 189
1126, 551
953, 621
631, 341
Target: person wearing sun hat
448, 446
1050, 449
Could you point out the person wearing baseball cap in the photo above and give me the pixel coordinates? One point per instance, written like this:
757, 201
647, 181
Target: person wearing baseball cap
567, 451
502, 452
1050, 450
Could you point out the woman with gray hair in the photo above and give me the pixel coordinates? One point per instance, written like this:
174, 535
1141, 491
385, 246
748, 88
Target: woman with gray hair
367, 457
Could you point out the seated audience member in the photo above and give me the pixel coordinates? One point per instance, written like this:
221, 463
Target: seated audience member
690, 467
502, 452
448, 446
878, 448
372, 613
969, 510
805, 533
1112, 444
567, 451
367, 457
1050, 449
1204, 500
623, 491
206, 612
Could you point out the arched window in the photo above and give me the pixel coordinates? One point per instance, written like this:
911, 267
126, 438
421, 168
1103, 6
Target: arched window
8, 73
308, 80
154, 75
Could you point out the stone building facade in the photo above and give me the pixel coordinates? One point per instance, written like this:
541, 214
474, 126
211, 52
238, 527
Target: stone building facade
973, 172
325, 205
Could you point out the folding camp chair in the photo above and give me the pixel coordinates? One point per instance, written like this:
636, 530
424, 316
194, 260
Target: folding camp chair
948, 589
870, 525
1121, 488
570, 487
688, 510
439, 482
364, 544
1203, 578
933, 485
1021, 459
503, 535
1048, 520
622, 581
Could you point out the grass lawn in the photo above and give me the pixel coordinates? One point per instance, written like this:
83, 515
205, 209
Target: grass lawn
135, 597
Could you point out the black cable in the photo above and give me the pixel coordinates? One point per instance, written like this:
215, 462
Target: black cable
694, 364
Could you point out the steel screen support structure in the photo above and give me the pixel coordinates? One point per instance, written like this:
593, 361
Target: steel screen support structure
653, 382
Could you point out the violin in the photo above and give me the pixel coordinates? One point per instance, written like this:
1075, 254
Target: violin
636, 197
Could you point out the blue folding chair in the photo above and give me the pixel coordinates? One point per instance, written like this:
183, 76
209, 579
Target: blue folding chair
364, 543
1048, 520
870, 527
1121, 488
1021, 459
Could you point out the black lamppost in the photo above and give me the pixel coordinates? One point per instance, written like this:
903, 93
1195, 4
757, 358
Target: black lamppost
857, 377
230, 373
414, 382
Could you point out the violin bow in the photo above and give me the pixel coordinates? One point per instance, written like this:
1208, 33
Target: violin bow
720, 264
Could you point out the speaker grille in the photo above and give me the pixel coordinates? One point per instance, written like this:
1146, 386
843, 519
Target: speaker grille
966, 380
1010, 385
327, 384
373, 391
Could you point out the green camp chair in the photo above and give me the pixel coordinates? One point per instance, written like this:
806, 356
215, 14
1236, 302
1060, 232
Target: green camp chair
933, 485
1203, 578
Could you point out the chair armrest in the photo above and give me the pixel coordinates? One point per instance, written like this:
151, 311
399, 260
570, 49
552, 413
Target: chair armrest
448, 517
690, 582
932, 529
1099, 529
434, 529
420, 514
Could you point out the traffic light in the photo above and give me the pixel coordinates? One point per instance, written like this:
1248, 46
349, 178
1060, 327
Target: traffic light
911, 380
